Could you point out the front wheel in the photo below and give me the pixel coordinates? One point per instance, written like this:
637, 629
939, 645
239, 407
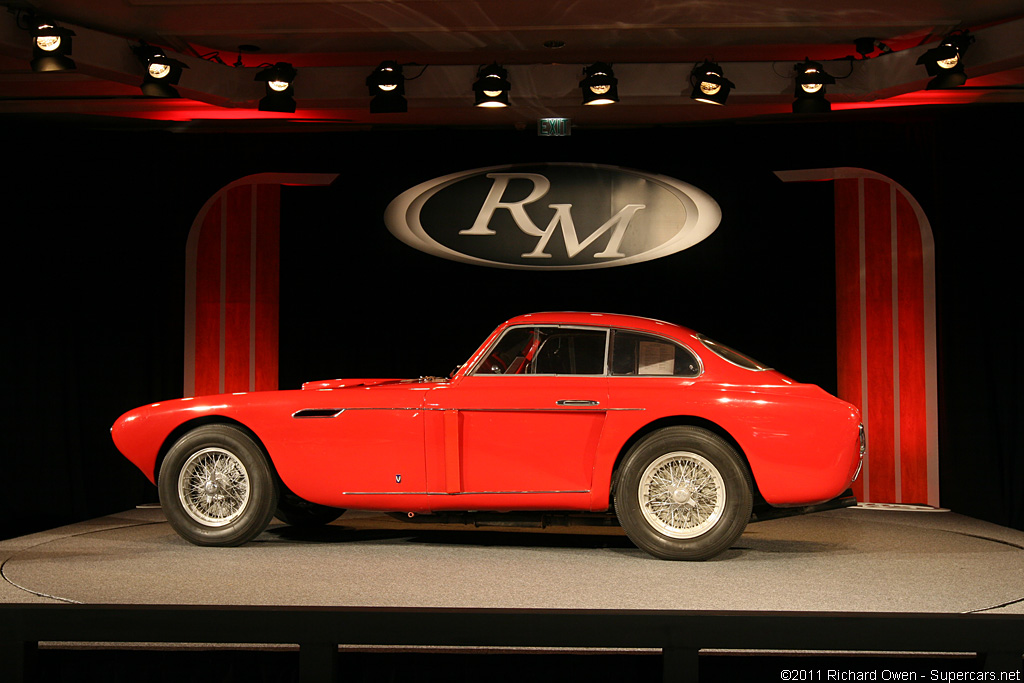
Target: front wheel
216, 487
683, 494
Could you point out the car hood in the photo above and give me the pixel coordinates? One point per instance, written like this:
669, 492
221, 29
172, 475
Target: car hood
343, 383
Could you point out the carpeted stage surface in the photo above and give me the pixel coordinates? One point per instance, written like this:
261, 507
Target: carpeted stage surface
851, 560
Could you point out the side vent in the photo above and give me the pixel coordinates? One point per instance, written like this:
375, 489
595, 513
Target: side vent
319, 412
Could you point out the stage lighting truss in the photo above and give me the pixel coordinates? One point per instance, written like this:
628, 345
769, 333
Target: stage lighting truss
387, 88
945, 63
599, 84
51, 46
709, 84
811, 80
492, 86
161, 71
280, 93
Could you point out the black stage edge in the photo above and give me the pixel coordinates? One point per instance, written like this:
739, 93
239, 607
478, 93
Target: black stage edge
997, 639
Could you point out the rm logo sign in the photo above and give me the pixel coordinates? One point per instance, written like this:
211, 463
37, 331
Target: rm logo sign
552, 216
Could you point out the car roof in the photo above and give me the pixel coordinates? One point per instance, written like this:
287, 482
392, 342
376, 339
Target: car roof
632, 322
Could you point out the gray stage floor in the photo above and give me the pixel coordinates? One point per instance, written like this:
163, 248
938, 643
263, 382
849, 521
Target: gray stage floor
857, 559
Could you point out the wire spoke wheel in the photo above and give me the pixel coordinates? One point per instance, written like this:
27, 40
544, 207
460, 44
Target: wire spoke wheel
213, 487
217, 487
682, 495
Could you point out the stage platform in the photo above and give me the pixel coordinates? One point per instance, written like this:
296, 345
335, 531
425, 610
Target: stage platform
851, 560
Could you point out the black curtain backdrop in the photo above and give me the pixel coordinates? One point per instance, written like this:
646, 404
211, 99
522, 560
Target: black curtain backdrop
95, 223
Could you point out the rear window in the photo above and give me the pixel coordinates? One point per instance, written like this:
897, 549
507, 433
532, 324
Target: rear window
634, 353
731, 355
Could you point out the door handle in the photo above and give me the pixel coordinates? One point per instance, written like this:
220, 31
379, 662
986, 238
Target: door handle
576, 402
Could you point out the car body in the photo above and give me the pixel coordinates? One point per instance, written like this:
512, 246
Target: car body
554, 412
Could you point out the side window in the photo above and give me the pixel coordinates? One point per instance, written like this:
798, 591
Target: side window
571, 352
639, 354
546, 351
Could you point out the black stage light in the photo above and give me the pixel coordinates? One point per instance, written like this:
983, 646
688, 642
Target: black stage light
811, 80
387, 87
492, 86
709, 84
162, 72
280, 93
945, 63
51, 46
599, 84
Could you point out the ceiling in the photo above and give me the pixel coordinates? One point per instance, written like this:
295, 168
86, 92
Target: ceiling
652, 44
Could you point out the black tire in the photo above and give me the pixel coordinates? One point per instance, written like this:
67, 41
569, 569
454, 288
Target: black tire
216, 487
683, 493
299, 512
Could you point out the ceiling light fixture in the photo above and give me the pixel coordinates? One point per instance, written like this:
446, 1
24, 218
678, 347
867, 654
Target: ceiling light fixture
51, 46
599, 84
280, 93
492, 86
811, 80
945, 63
387, 87
162, 72
709, 84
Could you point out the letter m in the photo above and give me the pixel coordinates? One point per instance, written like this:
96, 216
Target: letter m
617, 224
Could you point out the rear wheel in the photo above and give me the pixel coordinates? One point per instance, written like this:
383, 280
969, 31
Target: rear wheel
216, 487
683, 494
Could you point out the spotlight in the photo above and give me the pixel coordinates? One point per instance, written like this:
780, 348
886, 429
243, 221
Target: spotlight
945, 63
599, 84
280, 91
387, 86
51, 46
492, 86
811, 80
709, 85
162, 72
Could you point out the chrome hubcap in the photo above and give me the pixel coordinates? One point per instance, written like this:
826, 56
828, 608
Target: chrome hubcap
682, 495
213, 487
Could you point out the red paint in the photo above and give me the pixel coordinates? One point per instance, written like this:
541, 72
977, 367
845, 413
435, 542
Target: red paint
502, 442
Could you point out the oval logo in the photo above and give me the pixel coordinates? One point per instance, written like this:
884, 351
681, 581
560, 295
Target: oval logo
554, 216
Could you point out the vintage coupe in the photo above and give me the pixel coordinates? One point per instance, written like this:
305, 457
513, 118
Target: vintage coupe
568, 412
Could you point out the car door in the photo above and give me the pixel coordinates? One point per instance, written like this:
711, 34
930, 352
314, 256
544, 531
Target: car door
528, 419
359, 447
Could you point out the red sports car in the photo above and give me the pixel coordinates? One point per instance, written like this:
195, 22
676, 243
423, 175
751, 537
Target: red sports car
567, 412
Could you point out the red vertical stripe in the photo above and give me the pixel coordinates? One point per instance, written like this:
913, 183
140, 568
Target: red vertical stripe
207, 324
886, 335
268, 247
237, 290
913, 394
879, 338
848, 319
233, 285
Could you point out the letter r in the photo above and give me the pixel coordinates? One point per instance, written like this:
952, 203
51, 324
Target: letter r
493, 202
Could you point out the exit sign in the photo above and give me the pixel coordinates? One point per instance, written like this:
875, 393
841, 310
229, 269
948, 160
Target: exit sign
554, 126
